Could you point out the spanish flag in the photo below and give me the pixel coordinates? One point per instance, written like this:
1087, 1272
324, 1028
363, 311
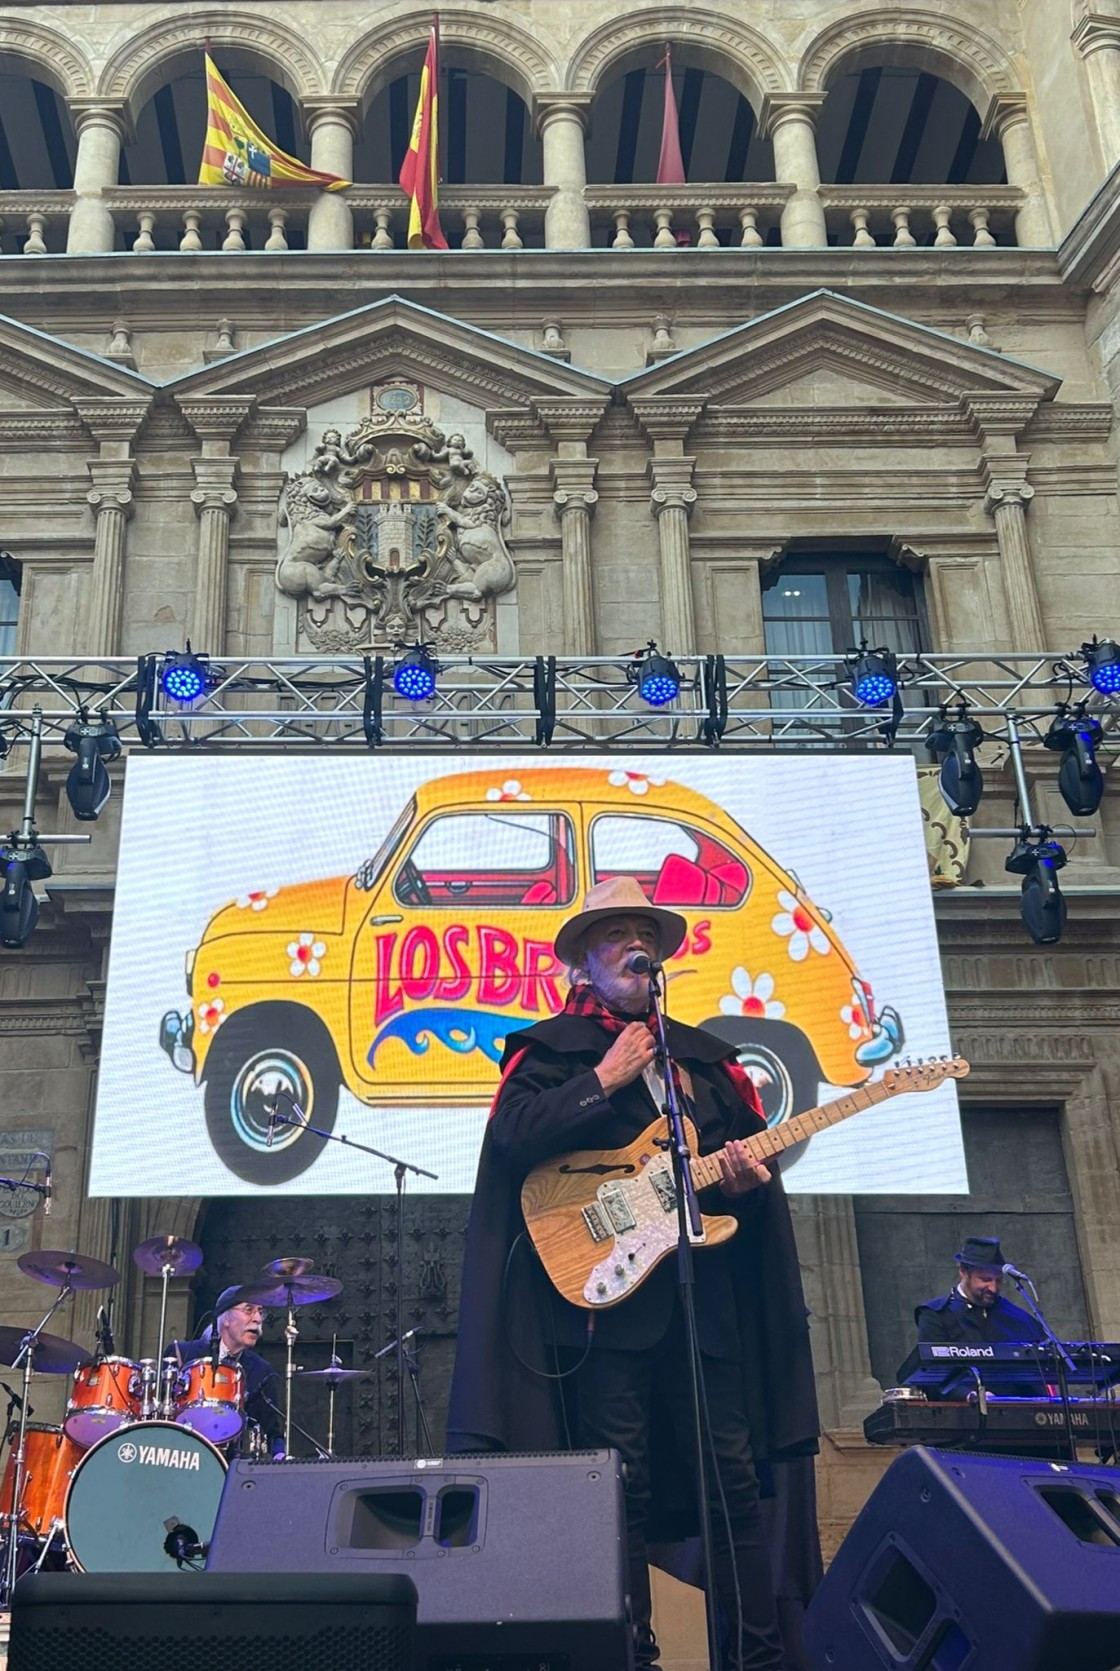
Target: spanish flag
419, 175
237, 153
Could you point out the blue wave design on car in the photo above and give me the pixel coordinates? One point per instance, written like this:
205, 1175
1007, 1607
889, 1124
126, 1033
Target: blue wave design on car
459, 1032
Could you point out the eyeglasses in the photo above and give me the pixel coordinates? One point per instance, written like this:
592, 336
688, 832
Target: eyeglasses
253, 1311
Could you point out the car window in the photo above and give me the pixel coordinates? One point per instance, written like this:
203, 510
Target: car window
673, 863
368, 872
491, 858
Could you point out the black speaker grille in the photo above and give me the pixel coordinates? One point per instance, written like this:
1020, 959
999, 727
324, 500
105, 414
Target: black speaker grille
92, 1648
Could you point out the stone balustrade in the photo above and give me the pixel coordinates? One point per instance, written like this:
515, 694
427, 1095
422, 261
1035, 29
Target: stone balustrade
700, 216
34, 222
905, 216
703, 216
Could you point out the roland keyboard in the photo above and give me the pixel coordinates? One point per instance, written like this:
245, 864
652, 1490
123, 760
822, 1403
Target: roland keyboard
944, 1368
1016, 1424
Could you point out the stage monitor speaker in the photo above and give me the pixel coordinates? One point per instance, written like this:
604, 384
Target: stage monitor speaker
80, 1621
975, 1563
519, 1561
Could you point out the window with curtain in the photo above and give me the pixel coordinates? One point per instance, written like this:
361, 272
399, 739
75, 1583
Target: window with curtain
824, 603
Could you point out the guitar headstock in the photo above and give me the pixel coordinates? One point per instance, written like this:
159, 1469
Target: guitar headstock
924, 1076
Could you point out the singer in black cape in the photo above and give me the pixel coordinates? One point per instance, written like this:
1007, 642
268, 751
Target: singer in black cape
515, 1330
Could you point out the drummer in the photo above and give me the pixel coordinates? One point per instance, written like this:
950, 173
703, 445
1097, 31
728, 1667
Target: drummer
238, 1325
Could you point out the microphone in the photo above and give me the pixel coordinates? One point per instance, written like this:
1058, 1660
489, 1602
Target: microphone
215, 1343
272, 1112
104, 1333
48, 1188
393, 1344
639, 964
1019, 1276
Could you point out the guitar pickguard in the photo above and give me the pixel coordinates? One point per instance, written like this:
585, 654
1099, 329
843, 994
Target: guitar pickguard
642, 1212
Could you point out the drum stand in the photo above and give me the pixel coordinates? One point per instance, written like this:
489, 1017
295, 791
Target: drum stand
291, 1335
27, 1354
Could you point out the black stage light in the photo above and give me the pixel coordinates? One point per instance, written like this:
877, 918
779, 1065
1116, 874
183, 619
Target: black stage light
961, 781
414, 676
372, 699
874, 677
1102, 663
656, 676
186, 676
1042, 908
94, 742
1076, 736
21, 862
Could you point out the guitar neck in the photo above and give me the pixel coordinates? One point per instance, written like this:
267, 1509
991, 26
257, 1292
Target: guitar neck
706, 1168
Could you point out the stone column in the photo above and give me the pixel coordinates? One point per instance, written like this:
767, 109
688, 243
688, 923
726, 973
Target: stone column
1098, 42
1007, 494
215, 421
671, 499
112, 474
561, 120
101, 129
825, 1229
570, 424
789, 119
333, 126
1008, 121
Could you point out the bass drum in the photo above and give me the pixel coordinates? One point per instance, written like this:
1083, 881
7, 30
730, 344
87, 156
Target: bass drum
139, 1492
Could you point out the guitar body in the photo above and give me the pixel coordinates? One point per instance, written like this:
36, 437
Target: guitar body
603, 1219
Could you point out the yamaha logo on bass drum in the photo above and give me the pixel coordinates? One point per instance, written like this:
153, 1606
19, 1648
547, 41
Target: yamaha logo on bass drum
159, 1456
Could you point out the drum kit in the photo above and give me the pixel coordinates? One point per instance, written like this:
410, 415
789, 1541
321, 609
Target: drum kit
132, 1479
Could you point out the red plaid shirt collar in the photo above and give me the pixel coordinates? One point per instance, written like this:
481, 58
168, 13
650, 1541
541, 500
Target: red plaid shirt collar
583, 1000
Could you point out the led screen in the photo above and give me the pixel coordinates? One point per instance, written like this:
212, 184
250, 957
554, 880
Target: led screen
357, 938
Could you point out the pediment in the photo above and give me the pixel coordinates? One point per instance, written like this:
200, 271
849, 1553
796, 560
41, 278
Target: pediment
859, 355
387, 339
40, 373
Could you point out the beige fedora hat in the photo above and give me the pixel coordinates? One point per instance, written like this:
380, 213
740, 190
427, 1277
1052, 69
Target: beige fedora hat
618, 896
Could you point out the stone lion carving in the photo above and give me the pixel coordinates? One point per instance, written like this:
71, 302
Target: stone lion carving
316, 512
476, 547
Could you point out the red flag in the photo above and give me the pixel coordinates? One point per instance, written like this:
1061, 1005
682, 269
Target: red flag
419, 175
670, 163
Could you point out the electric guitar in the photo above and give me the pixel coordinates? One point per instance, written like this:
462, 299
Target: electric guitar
603, 1219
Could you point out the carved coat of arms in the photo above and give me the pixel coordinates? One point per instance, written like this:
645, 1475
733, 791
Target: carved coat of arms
395, 536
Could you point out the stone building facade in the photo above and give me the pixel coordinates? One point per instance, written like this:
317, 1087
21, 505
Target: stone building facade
677, 395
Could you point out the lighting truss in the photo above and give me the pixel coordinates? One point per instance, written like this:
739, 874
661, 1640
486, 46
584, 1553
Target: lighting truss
739, 703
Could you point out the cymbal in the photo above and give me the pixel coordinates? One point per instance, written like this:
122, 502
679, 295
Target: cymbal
334, 1377
292, 1266
77, 1270
174, 1251
53, 1355
290, 1290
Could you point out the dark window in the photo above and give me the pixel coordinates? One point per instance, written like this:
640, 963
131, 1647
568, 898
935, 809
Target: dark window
10, 578
826, 603
672, 863
1019, 1191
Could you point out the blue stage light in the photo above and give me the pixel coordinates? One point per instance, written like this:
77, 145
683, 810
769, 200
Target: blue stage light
656, 676
414, 676
875, 679
1103, 662
184, 677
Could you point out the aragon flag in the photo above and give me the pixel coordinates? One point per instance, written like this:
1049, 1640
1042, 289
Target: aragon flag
237, 153
419, 175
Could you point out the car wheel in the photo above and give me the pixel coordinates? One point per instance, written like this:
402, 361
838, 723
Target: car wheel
268, 1050
781, 1062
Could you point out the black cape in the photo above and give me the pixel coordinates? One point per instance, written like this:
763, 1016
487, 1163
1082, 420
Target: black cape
513, 1323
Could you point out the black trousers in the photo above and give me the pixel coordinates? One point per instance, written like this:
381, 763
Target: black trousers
616, 1394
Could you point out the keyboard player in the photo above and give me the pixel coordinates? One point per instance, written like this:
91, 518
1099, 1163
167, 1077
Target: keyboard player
975, 1312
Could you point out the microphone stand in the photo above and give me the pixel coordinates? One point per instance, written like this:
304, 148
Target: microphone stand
689, 1227
298, 1118
1065, 1363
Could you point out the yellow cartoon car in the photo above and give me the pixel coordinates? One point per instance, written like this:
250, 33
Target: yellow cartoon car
402, 980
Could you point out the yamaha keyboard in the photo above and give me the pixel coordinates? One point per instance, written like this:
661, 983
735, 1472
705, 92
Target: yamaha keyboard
1030, 1425
945, 1368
